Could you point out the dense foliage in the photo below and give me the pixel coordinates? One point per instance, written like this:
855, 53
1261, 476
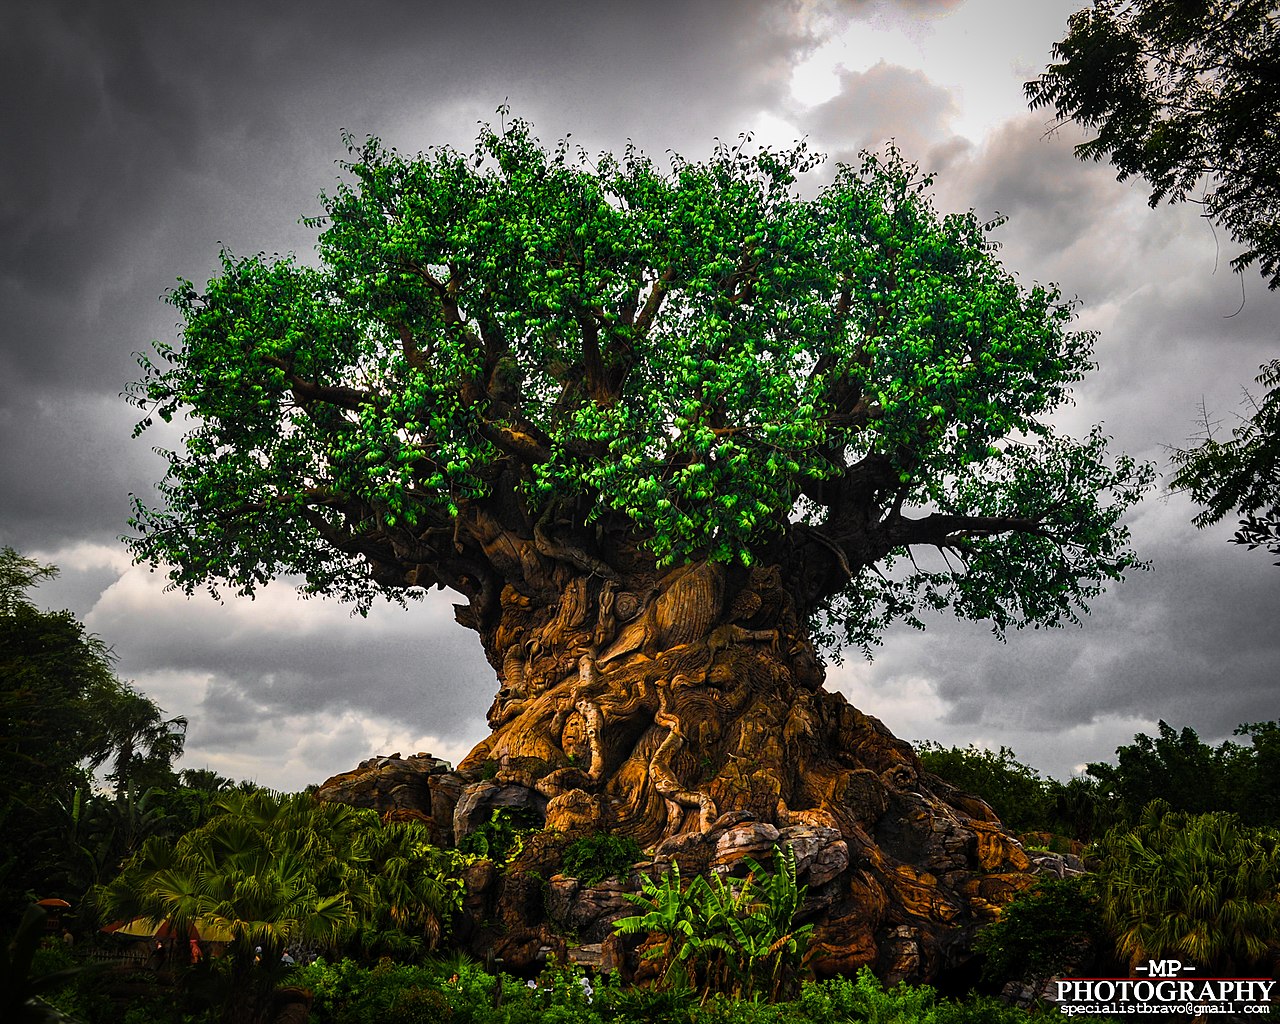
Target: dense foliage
347, 992
1182, 94
267, 872
1199, 886
1174, 765
63, 714
615, 365
1017, 792
1190, 775
1053, 929
737, 936
592, 859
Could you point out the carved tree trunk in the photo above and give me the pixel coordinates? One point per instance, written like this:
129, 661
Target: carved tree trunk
688, 703
685, 708
660, 704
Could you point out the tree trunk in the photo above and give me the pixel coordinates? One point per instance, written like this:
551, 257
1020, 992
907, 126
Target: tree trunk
664, 707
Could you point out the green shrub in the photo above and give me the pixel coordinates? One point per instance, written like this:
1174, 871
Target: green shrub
417, 1005
736, 936
1196, 885
457, 991
1016, 791
1042, 932
596, 857
501, 838
984, 1010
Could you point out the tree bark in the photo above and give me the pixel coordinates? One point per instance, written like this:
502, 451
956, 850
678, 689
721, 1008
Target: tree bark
660, 706
667, 702
680, 707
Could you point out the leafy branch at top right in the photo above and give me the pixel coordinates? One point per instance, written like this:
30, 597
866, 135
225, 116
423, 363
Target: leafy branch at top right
1186, 94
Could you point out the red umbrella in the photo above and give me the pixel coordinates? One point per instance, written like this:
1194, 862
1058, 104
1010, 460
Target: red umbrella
54, 903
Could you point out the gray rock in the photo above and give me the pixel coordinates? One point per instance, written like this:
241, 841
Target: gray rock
1056, 865
588, 910
754, 839
480, 799
821, 853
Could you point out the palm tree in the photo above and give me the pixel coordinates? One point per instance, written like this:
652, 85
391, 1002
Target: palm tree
272, 871
269, 871
135, 737
417, 886
1201, 886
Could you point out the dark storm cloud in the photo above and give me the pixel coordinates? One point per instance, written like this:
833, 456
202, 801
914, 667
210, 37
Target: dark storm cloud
68, 467
226, 719
142, 135
1042, 187
1145, 280
1159, 645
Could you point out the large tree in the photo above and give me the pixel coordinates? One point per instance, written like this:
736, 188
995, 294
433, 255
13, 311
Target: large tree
667, 433
1186, 94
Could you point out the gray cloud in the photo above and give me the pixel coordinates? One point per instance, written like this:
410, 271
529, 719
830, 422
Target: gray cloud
1160, 645
895, 8
282, 655
882, 103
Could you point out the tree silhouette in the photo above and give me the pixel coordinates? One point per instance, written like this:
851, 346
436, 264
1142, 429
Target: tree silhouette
1184, 94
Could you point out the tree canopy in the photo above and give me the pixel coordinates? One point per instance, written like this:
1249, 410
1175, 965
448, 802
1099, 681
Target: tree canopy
623, 366
1187, 95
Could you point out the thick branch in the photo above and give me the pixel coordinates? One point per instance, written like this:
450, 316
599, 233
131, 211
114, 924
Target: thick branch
654, 302
592, 363
409, 348
563, 551
309, 391
520, 443
943, 529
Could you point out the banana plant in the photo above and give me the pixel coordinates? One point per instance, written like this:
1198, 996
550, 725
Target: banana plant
736, 936
668, 912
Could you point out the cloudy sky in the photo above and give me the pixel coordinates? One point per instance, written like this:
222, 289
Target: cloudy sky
140, 136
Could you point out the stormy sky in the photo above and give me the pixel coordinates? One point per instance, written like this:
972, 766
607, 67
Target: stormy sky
140, 137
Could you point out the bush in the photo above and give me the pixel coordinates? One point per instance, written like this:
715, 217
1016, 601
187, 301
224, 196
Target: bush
459, 992
596, 857
1042, 932
501, 838
1200, 886
1015, 791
